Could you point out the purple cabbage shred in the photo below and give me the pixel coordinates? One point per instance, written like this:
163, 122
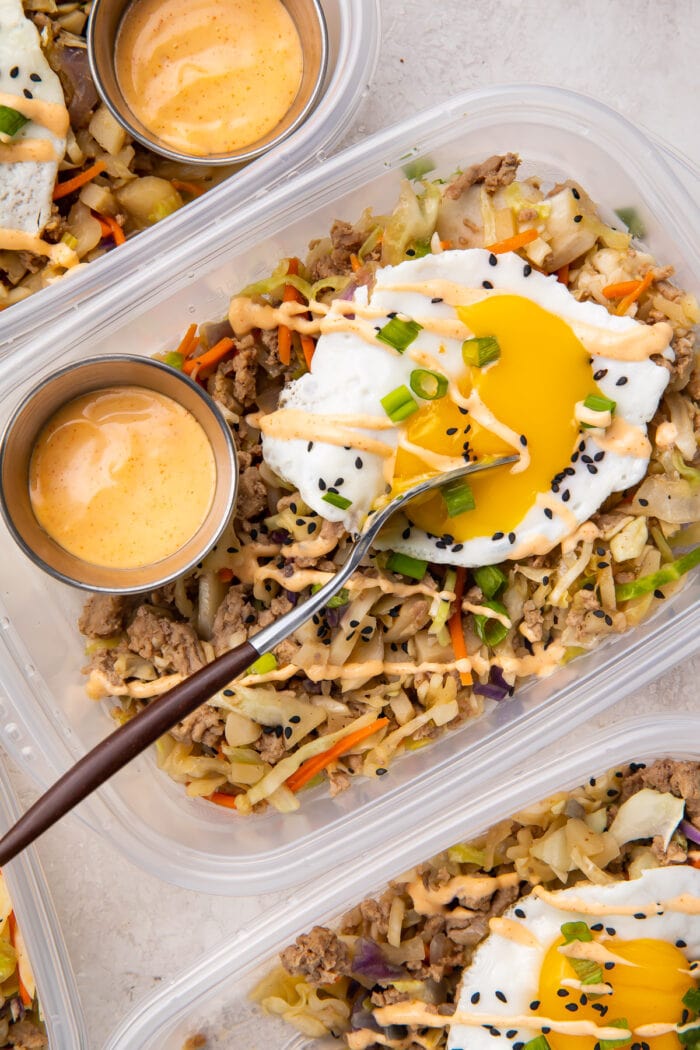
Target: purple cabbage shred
370, 962
496, 688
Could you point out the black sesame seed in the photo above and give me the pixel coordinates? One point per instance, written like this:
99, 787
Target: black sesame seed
288, 732
575, 194
621, 381
598, 457
610, 965
563, 993
548, 513
545, 580
381, 771
14, 72
523, 441
545, 1030
591, 468
228, 692
582, 446
486, 284
311, 527
518, 1046
566, 496
322, 484
535, 1004
570, 472
598, 927
643, 502
511, 1033
603, 564
608, 620
358, 463
451, 430
410, 251
494, 1031
278, 731
600, 374
354, 623
578, 218
599, 613
406, 533
571, 1007
498, 536
501, 997
639, 915
610, 930
520, 913
457, 548
659, 594
392, 315
436, 299
35, 77
511, 537
611, 792
527, 270
475, 997
27, 93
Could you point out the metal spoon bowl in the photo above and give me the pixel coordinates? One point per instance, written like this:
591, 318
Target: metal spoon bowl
125, 743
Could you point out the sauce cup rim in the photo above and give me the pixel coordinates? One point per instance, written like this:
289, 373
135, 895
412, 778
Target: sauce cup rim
227, 476
123, 115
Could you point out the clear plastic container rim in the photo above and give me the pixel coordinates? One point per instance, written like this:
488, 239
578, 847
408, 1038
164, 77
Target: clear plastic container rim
257, 942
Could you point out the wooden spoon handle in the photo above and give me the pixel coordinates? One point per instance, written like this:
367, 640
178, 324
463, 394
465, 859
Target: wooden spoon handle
112, 753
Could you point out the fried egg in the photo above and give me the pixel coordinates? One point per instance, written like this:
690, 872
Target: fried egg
643, 937
346, 450
26, 185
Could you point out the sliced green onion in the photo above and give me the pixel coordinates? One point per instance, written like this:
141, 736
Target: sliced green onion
691, 999
481, 351
406, 565
399, 334
339, 599
399, 405
428, 385
419, 249
458, 497
538, 1043
417, 168
444, 606
11, 121
490, 579
690, 1038
336, 500
598, 403
575, 931
463, 853
632, 220
266, 662
489, 630
668, 574
611, 1044
174, 359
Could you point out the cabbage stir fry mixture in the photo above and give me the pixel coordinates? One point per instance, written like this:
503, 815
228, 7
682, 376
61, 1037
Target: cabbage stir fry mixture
424, 944
416, 643
97, 187
21, 1025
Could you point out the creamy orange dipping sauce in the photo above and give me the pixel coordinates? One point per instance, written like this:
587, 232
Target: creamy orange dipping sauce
208, 76
122, 477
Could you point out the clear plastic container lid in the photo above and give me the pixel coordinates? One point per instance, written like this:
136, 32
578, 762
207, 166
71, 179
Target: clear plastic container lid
36, 917
353, 36
49, 723
212, 997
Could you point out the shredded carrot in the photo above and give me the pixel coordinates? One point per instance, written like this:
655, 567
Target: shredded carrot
104, 225
188, 342
23, 993
455, 626
284, 335
563, 274
694, 859
308, 770
62, 189
355, 263
308, 346
446, 245
624, 304
220, 798
210, 357
225, 575
189, 187
511, 244
619, 290
114, 230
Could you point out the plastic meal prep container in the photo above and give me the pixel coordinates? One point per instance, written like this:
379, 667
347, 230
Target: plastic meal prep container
36, 918
49, 722
212, 997
353, 48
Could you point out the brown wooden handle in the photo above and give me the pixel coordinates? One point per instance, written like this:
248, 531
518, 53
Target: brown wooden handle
112, 753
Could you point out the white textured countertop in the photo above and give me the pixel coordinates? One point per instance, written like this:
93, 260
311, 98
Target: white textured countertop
125, 930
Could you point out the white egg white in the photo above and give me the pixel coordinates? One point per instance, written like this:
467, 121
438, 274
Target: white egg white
350, 376
26, 187
513, 969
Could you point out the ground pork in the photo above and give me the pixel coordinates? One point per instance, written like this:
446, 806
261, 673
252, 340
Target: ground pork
251, 500
203, 726
232, 622
271, 747
170, 645
103, 615
319, 956
680, 778
25, 1035
495, 172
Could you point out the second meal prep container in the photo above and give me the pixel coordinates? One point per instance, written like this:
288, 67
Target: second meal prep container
213, 996
45, 717
36, 918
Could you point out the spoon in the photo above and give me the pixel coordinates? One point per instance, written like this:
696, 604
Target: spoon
125, 743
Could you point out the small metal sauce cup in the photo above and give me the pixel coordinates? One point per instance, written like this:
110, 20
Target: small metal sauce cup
20, 438
310, 23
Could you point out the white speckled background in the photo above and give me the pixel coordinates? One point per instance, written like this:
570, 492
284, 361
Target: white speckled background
125, 930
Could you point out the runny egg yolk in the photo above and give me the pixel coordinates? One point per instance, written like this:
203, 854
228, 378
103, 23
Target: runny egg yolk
648, 991
542, 371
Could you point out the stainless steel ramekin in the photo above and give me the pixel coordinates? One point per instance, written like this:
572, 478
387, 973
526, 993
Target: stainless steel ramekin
310, 23
20, 438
